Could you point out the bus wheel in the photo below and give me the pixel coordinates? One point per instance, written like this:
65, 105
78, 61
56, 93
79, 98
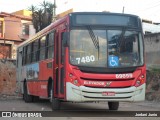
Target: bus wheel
50, 95
56, 104
113, 105
27, 98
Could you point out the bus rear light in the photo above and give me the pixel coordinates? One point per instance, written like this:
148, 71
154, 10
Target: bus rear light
140, 81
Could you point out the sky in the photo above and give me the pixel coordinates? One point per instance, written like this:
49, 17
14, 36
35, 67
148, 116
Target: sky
146, 9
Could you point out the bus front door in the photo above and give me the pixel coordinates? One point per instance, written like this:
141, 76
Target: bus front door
59, 66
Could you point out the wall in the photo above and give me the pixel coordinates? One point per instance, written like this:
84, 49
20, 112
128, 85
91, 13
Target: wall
152, 50
5, 53
13, 28
7, 77
23, 12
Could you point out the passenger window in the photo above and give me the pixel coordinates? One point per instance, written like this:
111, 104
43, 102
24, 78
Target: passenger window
28, 53
35, 51
24, 56
42, 47
50, 45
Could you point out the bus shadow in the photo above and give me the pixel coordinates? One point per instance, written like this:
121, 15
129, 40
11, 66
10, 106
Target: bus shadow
71, 106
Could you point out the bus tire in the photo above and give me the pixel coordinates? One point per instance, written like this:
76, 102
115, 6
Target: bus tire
56, 104
27, 98
113, 105
50, 91
35, 98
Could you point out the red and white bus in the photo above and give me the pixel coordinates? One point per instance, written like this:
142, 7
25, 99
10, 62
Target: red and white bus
85, 57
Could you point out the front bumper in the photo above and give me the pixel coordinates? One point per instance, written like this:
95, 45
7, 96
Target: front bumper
84, 94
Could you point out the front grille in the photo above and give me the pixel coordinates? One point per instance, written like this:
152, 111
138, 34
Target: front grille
101, 92
98, 95
108, 97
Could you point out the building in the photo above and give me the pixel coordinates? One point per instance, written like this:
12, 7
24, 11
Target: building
14, 28
152, 50
150, 27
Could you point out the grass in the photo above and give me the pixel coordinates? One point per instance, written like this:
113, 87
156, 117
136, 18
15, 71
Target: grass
155, 70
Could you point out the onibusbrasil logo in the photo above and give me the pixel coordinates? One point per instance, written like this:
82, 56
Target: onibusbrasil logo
21, 114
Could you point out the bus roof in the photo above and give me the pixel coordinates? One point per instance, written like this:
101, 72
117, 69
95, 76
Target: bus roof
104, 13
59, 21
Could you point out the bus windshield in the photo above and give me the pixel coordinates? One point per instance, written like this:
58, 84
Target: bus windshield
112, 48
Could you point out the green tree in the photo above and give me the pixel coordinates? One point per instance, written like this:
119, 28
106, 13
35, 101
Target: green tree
42, 15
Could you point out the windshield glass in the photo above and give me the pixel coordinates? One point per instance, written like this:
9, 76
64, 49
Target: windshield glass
106, 48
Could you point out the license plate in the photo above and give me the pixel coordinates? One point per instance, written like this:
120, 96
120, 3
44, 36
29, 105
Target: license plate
108, 93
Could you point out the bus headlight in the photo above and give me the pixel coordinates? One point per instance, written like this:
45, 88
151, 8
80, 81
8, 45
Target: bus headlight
140, 80
70, 75
75, 82
73, 79
138, 83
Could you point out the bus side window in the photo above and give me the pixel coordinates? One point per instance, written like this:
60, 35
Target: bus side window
31, 52
38, 51
24, 55
28, 56
62, 50
23, 58
50, 45
35, 50
46, 48
42, 47
17, 58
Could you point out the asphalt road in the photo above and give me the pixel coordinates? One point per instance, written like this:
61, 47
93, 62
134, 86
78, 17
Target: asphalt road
70, 111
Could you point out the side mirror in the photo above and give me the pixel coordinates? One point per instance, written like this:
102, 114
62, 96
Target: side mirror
65, 38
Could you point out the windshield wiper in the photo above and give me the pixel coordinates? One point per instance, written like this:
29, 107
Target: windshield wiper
94, 39
121, 40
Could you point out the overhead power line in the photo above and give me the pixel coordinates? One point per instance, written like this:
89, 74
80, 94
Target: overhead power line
148, 8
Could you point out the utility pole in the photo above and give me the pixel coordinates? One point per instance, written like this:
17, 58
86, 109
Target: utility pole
123, 9
4, 46
55, 8
54, 12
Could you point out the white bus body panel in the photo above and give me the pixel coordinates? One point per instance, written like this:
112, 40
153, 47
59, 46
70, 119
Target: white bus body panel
82, 93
